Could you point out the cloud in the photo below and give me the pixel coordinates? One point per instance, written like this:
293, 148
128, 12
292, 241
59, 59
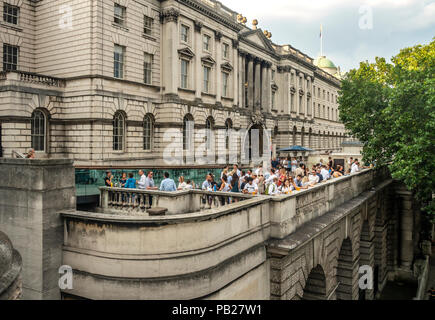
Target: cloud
396, 24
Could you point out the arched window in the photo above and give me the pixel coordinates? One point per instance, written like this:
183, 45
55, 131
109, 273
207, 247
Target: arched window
148, 131
302, 136
188, 125
310, 142
294, 135
118, 131
39, 130
208, 132
228, 127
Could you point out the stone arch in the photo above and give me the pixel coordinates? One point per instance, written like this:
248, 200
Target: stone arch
302, 136
315, 286
347, 272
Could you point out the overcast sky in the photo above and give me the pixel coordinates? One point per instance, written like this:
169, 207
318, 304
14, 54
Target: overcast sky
349, 34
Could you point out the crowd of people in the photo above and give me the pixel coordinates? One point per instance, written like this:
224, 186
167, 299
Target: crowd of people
284, 176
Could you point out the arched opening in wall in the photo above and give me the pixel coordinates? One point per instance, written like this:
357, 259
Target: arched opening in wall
255, 145
294, 135
302, 136
188, 137
319, 140
347, 272
38, 129
324, 146
315, 287
209, 125
366, 258
119, 129
148, 132
228, 128
310, 138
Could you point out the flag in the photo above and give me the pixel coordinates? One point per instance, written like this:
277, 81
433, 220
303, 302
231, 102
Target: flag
320, 31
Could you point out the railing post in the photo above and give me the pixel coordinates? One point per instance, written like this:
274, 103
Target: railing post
104, 195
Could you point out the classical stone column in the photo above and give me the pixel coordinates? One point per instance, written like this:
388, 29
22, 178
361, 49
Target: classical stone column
218, 76
264, 87
236, 65
308, 95
257, 85
198, 65
241, 81
250, 81
301, 110
269, 87
170, 54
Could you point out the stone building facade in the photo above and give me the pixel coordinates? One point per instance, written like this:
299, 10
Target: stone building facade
118, 81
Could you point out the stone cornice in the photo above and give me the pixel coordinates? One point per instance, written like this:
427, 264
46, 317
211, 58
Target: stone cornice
195, 5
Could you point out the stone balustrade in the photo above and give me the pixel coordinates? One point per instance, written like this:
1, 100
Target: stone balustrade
32, 78
137, 201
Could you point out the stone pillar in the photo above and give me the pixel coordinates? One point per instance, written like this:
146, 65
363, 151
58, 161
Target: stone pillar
218, 76
308, 111
31, 195
406, 227
264, 88
257, 85
241, 88
269, 87
198, 65
236, 72
170, 54
301, 110
250, 81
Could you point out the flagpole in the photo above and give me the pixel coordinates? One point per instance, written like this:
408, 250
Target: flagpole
321, 41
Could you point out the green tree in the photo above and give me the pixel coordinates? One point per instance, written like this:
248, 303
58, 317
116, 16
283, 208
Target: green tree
390, 108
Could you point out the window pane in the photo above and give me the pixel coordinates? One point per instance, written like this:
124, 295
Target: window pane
38, 131
10, 57
118, 132
10, 13
184, 74
148, 63
148, 25
119, 16
119, 61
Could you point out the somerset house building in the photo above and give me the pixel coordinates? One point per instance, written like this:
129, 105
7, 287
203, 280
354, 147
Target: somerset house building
103, 82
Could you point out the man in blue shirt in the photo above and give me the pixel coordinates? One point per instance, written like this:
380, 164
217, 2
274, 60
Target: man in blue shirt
167, 184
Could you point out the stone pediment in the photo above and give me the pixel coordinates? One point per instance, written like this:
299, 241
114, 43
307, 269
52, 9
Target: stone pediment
186, 53
208, 60
258, 38
227, 66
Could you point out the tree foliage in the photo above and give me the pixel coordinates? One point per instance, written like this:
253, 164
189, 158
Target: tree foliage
390, 108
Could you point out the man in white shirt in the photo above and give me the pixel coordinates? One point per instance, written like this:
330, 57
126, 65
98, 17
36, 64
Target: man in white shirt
270, 176
250, 187
272, 188
325, 173
142, 183
313, 178
259, 170
355, 166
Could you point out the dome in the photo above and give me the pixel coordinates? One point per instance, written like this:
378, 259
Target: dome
325, 64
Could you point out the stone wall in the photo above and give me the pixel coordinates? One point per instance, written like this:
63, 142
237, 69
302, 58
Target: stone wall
32, 193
